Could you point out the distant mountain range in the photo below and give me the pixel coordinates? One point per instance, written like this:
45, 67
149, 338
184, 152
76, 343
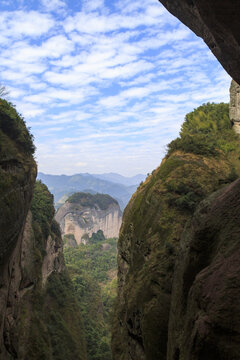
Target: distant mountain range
119, 187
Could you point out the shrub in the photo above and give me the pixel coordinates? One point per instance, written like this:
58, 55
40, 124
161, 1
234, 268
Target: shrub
87, 199
13, 125
206, 131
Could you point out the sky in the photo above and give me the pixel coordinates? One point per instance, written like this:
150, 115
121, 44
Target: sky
104, 85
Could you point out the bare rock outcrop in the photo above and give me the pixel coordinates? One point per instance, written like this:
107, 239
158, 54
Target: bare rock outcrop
84, 214
217, 22
234, 106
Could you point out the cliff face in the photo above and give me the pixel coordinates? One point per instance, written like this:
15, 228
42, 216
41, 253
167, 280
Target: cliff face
234, 108
204, 318
217, 22
39, 314
151, 240
80, 217
42, 318
17, 177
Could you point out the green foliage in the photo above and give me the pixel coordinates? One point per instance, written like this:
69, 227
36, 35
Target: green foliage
87, 199
97, 237
64, 322
206, 131
199, 162
42, 208
92, 268
14, 126
56, 330
51, 328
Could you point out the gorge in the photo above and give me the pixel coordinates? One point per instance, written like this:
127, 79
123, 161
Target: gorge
178, 251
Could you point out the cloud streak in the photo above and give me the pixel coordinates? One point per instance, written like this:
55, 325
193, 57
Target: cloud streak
104, 85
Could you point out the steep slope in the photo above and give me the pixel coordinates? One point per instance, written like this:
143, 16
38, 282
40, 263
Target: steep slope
202, 160
84, 214
42, 318
204, 318
217, 22
17, 177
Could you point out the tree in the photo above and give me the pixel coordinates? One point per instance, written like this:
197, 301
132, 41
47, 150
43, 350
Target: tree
3, 91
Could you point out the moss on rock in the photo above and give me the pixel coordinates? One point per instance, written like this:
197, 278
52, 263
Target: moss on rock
152, 226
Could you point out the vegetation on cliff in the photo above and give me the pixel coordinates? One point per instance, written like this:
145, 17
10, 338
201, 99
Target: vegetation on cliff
207, 131
87, 199
40, 313
50, 325
17, 176
13, 125
203, 159
92, 268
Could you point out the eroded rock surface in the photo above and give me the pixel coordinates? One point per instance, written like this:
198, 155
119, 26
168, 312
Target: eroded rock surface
234, 106
82, 219
217, 22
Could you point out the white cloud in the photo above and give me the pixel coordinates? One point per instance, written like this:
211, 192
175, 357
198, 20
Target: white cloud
106, 85
23, 23
91, 5
53, 5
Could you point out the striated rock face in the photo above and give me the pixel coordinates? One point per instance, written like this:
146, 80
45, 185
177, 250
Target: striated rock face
38, 322
204, 316
82, 218
234, 106
217, 22
28, 273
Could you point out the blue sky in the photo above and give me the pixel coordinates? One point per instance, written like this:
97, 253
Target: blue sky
104, 85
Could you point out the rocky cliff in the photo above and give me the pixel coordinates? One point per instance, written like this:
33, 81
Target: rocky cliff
217, 22
234, 106
157, 249
204, 317
40, 316
17, 177
84, 214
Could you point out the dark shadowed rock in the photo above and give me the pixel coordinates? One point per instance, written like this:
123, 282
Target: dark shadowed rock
204, 316
217, 22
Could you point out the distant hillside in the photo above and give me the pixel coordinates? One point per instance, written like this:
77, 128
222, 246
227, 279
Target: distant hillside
119, 179
61, 185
